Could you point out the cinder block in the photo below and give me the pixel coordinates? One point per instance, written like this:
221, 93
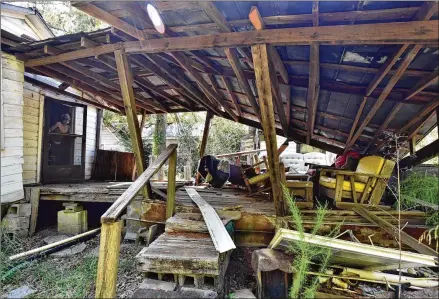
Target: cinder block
154, 284
72, 222
14, 223
20, 210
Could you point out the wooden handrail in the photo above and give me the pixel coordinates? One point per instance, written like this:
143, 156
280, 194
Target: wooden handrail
109, 248
116, 209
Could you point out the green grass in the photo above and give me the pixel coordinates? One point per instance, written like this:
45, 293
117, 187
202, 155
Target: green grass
51, 278
420, 186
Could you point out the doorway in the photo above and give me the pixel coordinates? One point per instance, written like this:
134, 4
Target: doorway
64, 137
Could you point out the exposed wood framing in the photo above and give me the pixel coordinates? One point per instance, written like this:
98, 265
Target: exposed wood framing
109, 248
275, 63
232, 55
263, 78
126, 84
170, 196
424, 154
258, 22
392, 82
232, 95
424, 13
420, 32
422, 84
209, 116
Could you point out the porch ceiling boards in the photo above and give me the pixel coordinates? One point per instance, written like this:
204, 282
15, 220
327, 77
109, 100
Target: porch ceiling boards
375, 70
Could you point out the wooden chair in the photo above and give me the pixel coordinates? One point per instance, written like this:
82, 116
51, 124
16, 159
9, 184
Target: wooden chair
297, 188
368, 181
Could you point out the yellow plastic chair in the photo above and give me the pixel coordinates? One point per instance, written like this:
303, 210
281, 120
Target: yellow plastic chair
368, 181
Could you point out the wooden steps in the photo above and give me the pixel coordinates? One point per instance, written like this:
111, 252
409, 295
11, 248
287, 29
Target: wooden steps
185, 254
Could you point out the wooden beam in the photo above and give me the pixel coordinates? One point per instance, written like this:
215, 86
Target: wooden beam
172, 172
424, 13
412, 146
232, 55
275, 63
262, 73
314, 78
392, 82
106, 17
185, 63
422, 84
209, 116
223, 103
393, 231
126, 84
424, 154
232, 95
257, 22
71, 95
420, 32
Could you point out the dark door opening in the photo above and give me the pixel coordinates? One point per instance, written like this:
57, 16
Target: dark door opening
63, 141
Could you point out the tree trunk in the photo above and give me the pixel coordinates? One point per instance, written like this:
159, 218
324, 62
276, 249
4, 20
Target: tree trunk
159, 144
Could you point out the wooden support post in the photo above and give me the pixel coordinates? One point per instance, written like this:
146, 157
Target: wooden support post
106, 279
172, 171
412, 145
126, 85
34, 202
263, 83
209, 116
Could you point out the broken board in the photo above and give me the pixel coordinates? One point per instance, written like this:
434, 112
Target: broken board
355, 254
220, 237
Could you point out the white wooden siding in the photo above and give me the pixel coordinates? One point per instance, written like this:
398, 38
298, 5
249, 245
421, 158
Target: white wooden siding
32, 100
12, 78
90, 142
109, 141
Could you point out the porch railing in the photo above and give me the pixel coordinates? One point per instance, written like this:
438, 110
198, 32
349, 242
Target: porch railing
111, 227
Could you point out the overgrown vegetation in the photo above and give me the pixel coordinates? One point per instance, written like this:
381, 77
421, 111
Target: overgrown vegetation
304, 285
421, 186
50, 278
62, 18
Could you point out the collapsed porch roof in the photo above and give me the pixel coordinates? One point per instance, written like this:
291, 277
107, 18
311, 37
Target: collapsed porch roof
376, 72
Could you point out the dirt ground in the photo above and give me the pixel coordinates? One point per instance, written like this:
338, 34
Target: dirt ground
72, 276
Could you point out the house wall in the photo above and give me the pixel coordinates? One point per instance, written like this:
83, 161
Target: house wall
109, 141
33, 99
12, 77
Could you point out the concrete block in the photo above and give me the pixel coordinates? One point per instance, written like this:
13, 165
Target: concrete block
72, 222
20, 210
14, 223
153, 284
243, 294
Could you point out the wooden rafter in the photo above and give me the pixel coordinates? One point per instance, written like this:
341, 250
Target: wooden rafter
425, 82
421, 32
425, 12
232, 95
258, 22
242, 80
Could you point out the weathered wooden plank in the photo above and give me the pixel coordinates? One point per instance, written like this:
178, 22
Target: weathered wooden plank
126, 84
109, 248
209, 116
220, 237
392, 230
172, 172
420, 32
263, 83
